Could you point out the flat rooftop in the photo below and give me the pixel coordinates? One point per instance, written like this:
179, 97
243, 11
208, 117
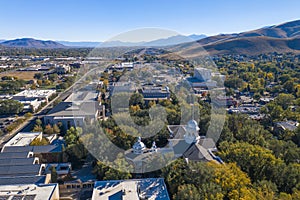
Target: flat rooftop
36, 93
20, 180
83, 96
22, 139
135, 189
29, 192
20, 170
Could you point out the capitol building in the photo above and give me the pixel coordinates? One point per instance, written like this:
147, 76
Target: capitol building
184, 142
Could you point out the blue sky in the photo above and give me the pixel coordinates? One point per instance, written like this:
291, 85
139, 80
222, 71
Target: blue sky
96, 20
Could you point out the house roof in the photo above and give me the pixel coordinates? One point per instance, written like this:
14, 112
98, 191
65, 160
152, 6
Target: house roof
19, 170
22, 180
9, 155
177, 131
16, 161
74, 109
179, 145
207, 143
34, 149
289, 125
198, 153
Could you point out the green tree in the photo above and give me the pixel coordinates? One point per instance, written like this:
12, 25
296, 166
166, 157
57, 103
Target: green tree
48, 130
10, 107
137, 99
187, 192
39, 142
284, 100
38, 76
259, 163
56, 129
53, 175
72, 136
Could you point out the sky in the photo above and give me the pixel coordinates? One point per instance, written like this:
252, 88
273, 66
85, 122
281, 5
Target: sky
100, 20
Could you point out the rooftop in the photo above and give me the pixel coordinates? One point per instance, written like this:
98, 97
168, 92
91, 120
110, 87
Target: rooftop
20, 170
34, 149
289, 125
30, 191
22, 139
18, 161
83, 96
135, 189
10, 155
22, 180
36, 93
74, 109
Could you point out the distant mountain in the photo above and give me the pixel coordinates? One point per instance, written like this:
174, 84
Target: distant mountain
255, 45
79, 44
285, 30
118, 43
278, 38
32, 43
177, 39
173, 40
159, 42
197, 37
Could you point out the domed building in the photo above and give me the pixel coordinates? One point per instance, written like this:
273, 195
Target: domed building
139, 147
140, 156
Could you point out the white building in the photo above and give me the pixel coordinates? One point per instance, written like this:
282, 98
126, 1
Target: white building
202, 74
27, 95
23, 139
30, 191
135, 189
62, 69
32, 99
31, 105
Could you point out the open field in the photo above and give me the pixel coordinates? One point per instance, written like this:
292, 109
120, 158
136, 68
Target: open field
20, 74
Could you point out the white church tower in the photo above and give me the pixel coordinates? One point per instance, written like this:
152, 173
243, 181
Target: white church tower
192, 132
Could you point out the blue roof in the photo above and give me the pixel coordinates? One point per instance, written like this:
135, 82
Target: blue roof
20, 180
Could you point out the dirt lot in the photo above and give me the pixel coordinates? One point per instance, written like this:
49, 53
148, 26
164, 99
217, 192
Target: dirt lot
20, 74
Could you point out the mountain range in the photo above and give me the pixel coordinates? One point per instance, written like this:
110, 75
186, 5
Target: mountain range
277, 38
33, 43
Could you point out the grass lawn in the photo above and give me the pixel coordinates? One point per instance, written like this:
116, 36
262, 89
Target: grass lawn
20, 74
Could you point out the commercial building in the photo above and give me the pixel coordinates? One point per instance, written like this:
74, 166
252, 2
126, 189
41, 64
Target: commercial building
30, 191
62, 69
23, 139
155, 93
202, 74
135, 189
28, 95
73, 114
